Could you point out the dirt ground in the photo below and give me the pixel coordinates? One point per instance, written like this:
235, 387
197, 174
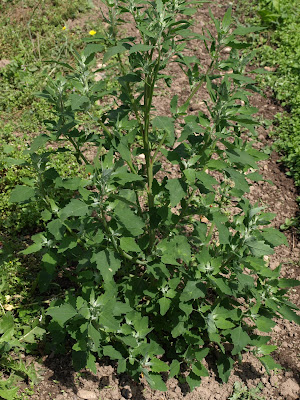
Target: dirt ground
59, 381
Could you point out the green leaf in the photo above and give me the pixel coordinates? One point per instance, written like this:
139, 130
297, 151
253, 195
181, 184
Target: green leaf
207, 180
242, 30
39, 142
166, 124
62, 314
224, 365
201, 354
174, 104
245, 281
155, 381
176, 190
130, 221
93, 48
258, 248
286, 283
31, 334
239, 179
112, 353
175, 248
121, 366
68, 242
223, 323
94, 334
34, 248
6, 323
21, 193
174, 368
269, 363
193, 290
112, 51
240, 339
289, 314
221, 284
8, 393
274, 237
266, 349
106, 319
79, 359
91, 363
224, 233
178, 330
164, 304
265, 324
227, 19
78, 102
129, 244
158, 365
56, 228
140, 47
76, 208
193, 380
108, 263
199, 369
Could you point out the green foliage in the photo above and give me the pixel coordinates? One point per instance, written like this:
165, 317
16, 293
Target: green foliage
280, 50
162, 272
241, 392
12, 339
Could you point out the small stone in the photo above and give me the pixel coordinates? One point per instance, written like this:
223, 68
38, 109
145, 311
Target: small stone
264, 380
87, 394
227, 49
270, 69
290, 388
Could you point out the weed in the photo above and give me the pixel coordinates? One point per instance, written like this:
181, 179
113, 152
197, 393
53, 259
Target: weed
146, 291
241, 392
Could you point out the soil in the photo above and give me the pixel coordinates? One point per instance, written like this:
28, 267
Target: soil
58, 379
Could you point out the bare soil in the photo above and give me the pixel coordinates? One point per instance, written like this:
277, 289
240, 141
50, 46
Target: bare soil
58, 379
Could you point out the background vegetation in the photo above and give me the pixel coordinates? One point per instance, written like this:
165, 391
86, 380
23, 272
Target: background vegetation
279, 52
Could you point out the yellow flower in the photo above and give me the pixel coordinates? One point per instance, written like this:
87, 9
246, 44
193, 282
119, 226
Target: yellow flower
92, 32
64, 28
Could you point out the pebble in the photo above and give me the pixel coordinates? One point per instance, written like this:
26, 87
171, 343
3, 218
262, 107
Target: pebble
270, 69
87, 394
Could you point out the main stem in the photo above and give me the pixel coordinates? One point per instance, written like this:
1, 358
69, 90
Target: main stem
148, 95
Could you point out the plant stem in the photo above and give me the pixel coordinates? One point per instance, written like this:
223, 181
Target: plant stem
148, 95
78, 151
159, 147
199, 84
